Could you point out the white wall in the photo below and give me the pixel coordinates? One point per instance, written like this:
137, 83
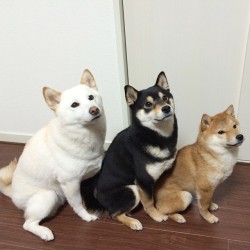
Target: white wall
244, 106
201, 47
50, 43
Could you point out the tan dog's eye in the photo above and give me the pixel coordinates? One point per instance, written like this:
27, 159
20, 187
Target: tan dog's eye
221, 132
148, 105
235, 126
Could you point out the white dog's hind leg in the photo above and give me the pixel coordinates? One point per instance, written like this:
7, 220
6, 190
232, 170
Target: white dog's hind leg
40, 206
72, 193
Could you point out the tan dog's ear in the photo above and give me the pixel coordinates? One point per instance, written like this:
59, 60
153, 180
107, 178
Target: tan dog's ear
230, 111
162, 81
205, 122
88, 79
51, 97
131, 94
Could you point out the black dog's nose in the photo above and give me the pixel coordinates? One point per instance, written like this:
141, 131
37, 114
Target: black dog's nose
240, 137
165, 109
94, 110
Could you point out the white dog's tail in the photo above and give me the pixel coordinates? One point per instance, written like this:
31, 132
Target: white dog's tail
6, 174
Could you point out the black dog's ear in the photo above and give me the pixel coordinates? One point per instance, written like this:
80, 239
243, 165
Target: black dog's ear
131, 94
162, 81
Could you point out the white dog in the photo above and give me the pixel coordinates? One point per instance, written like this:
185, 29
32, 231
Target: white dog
58, 157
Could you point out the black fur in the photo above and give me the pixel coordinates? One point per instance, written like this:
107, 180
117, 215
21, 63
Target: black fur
126, 159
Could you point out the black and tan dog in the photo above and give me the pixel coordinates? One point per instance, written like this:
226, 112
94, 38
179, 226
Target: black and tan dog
139, 154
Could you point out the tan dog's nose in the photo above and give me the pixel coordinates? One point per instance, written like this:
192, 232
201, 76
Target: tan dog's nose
94, 110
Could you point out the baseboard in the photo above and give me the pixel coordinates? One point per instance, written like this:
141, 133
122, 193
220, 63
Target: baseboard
23, 138
15, 138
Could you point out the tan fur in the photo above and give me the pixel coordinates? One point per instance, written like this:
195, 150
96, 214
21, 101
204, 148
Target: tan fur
6, 174
199, 168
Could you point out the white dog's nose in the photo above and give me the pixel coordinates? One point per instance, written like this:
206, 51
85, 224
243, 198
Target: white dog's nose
94, 110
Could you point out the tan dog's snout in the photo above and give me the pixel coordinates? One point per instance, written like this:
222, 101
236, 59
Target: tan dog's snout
94, 111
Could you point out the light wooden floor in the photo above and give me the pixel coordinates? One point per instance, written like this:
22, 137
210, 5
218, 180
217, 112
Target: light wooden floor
232, 232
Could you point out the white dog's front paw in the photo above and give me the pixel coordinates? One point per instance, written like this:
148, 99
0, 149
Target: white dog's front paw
46, 234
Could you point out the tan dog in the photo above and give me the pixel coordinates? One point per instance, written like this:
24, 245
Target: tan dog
201, 167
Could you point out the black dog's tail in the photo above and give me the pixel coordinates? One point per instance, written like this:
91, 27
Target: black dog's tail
88, 188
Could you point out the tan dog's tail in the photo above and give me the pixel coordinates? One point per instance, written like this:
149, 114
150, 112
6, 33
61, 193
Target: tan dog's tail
6, 174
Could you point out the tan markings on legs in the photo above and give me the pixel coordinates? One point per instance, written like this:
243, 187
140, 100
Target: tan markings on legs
148, 205
204, 203
128, 221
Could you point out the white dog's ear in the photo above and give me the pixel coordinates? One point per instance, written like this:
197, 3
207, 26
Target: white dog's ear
52, 97
162, 81
230, 111
88, 79
205, 122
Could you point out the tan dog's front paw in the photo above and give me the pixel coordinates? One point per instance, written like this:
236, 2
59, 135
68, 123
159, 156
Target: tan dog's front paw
213, 206
211, 219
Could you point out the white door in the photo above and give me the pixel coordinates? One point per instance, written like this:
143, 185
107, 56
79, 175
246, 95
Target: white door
201, 47
244, 107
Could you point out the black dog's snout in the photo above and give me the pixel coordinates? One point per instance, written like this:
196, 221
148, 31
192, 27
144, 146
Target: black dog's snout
240, 137
166, 109
94, 110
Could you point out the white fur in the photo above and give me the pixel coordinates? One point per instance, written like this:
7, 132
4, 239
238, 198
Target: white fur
222, 167
157, 152
156, 169
57, 158
164, 128
136, 193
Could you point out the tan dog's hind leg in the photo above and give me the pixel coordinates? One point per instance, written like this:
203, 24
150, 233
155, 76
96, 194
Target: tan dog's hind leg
204, 204
173, 202
128, 221
148, 205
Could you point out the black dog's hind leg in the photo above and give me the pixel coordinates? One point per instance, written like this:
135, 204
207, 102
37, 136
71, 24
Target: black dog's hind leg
127, 198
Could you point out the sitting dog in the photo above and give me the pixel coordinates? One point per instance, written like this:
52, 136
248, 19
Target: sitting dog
139, 154
58, 157
199, 168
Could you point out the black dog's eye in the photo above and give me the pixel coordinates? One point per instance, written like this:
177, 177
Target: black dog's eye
148, 105
91, 97
221, 132
164, 98
235, 126
74, 104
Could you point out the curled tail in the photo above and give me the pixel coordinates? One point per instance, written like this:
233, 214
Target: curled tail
6, 174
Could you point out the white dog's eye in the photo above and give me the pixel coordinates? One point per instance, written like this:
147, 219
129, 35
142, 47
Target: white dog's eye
91, 97
74, 104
